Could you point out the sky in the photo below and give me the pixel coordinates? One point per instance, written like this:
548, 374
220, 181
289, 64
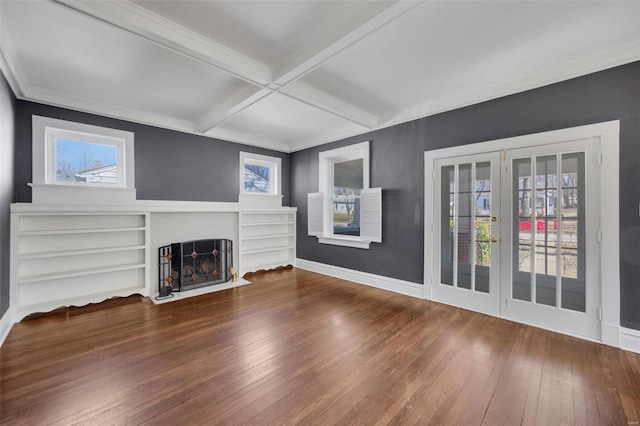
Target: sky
82, 155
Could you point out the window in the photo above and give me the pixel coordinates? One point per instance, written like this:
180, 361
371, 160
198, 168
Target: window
351, 212
72, 157
81, 159
259, 174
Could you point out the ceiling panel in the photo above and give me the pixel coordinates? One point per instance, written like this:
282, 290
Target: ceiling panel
266, 31
280, 118
62, 51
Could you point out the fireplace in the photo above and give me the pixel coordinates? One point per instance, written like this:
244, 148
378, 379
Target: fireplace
194, 264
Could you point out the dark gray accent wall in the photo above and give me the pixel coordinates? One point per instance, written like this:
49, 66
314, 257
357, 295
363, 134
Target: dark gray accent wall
169, 165
397, 165
7, 185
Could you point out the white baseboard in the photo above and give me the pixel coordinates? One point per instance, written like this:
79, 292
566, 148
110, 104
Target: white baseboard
630, 339
385, 283
611, 334
6, 323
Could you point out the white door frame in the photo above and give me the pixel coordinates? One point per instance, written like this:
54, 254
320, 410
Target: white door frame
608, 133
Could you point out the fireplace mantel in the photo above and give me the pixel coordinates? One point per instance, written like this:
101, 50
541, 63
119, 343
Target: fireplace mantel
66, 255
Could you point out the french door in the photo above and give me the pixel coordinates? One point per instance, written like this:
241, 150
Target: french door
551, 276
516, 234
467, 253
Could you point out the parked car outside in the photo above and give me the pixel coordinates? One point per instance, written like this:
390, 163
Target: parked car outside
541, 224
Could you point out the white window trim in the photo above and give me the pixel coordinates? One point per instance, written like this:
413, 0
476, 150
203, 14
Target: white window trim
47, 190
275, 181
325, 180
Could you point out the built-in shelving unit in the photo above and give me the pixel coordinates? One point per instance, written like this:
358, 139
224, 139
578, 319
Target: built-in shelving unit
74, 255
267, 239
63, 258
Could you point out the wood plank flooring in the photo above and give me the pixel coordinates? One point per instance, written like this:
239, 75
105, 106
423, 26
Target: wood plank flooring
301, 348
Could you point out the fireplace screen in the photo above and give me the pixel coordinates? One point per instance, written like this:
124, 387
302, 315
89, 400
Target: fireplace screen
193, 264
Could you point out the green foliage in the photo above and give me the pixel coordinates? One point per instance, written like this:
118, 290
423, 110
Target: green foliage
483, 248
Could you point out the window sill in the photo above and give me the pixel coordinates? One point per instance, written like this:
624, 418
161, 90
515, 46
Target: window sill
345, 242
56, 194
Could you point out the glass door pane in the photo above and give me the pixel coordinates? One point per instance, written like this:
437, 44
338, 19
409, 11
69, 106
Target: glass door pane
522, 229
482, 204
546, 238
548, 265
447, 224
572, 229
466, 224
465, 229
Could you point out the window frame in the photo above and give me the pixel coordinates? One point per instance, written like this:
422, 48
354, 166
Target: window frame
327, 161
45, 132
275, 167
324, 198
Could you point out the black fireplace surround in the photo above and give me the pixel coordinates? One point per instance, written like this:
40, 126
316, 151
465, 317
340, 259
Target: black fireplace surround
194, 264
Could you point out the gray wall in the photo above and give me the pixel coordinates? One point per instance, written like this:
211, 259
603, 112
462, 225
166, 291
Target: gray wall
397, 166
7, 108
169, 165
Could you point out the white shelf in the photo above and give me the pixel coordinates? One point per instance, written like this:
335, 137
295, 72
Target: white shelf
268, 249
267, 223
266, 237
65, 253
79, 231
63, 258
79, 272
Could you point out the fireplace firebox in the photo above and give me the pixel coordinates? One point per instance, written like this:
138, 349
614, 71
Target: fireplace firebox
194, 264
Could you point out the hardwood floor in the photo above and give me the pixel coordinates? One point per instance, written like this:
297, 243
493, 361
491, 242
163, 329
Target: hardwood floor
301, 348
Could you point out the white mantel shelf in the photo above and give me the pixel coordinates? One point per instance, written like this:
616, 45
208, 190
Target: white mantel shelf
73, 254
148, 206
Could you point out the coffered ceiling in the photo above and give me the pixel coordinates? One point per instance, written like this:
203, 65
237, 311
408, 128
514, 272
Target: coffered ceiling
288, 75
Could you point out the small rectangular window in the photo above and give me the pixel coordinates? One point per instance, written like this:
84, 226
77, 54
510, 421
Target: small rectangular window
259, 174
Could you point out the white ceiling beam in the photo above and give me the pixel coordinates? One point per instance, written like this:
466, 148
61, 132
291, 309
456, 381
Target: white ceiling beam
334, 41
229, 108
319, 99
138, 20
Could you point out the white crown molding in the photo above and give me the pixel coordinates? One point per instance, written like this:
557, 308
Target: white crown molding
92, 107
328, 138
319, 99
241, 138
557, 73
229, 108
140, 21
9, 67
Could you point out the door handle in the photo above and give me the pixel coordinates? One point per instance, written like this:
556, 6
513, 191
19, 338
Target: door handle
494, 240
494, 219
